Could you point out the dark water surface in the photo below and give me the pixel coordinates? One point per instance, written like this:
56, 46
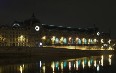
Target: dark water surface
92, 64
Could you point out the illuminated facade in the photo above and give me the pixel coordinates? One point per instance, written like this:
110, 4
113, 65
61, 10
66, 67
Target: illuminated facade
31, 33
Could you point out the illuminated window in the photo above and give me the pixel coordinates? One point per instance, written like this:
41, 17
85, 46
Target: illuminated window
85, 41
65, 41
61, 40
53, 39
56, 41
79, 41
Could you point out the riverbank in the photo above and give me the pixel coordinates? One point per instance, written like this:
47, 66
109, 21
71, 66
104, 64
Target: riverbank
6, 52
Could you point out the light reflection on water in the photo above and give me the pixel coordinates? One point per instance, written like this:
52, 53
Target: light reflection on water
91, 64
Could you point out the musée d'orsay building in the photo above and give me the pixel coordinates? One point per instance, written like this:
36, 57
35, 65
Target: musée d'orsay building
31, 33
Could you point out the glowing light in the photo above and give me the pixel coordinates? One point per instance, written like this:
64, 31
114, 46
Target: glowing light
57, 40
69, 65
79, 41
53, 65
94, 63
37, 28
95, 40
61, 40
109, 41
40, 63
105, 44
44, 37
97, 67
62, 66
69, 38
53, 39
89, 63
110, 48
16, 24
65, 40
110, 61
57, 64
77, 65
83, 63
76, 40
43, 68
88, 41
98, 33
102, 41
40, 44
21, 69
102, 60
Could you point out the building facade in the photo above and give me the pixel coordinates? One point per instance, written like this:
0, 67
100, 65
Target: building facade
31, 33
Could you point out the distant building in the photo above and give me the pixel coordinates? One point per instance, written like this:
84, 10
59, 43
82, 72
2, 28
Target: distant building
32, 33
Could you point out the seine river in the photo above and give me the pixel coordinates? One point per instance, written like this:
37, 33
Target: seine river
91, 64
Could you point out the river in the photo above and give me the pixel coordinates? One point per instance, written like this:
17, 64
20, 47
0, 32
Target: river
91, 64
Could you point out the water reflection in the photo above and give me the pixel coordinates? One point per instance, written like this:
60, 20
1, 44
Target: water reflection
80, 65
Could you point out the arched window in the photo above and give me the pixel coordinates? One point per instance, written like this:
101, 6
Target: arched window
56, 41
65, 41
79, 41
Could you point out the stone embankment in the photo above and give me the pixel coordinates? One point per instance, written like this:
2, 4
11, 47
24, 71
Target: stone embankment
48, 52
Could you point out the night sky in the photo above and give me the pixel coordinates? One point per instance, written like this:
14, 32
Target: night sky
79, 13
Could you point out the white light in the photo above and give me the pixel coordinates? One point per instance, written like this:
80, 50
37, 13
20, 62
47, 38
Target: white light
109, 41
105, 44
37, 28
98, 33
97, 67
40, 64
40, 44
77, 65
69, 65
102, 41
16, 24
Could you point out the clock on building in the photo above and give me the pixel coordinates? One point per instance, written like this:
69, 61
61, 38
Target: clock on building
37, 28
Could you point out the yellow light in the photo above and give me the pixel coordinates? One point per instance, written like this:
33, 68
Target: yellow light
21, 69
77, 39
62, 66
53, 65
89, 63
95, 40
43, 68
83, 63
83, 40
94, 63
110, 59
88, 41
44, 37
53, 39
61, 40
102, 58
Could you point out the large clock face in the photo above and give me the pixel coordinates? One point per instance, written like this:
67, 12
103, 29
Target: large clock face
37, 28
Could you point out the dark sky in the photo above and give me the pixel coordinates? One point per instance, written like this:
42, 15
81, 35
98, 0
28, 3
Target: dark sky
79, 13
